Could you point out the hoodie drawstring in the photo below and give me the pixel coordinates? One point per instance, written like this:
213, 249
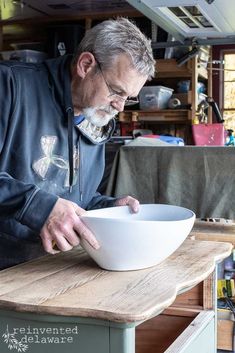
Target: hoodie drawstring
69, 112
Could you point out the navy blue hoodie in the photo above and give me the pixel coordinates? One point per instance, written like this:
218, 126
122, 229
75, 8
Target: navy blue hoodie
36, 162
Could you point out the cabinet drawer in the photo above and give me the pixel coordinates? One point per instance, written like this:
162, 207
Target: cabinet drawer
177, 334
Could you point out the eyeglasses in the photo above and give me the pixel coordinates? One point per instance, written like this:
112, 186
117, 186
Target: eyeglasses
127, 101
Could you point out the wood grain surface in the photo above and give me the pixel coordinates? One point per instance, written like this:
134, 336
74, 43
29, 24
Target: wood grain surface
214, 231
71, 284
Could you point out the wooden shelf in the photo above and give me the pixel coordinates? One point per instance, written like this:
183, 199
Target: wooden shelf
166, 68
167, 115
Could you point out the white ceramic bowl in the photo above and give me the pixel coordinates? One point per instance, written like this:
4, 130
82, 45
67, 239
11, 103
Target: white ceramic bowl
135, 241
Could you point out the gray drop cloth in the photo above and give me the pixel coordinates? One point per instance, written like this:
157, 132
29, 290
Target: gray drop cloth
199, 178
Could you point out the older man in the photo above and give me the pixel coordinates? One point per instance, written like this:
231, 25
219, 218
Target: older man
54, 120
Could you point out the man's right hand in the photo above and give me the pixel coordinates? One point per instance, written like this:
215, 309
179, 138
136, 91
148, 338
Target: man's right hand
65, 228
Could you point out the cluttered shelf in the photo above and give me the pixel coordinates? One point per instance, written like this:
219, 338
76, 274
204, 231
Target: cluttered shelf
169, 104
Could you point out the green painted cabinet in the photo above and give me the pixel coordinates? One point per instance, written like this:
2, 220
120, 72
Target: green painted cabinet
67, 304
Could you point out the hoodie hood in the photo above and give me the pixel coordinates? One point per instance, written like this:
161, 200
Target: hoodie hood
60, 77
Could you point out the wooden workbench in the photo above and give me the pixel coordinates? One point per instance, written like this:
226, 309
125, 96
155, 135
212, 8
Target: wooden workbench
111, 312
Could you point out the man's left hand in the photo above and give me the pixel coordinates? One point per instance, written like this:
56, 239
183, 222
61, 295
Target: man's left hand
128, 201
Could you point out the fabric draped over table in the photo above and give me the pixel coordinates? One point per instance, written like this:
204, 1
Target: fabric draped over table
199, 178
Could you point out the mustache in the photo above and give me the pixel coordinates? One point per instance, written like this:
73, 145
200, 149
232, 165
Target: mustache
109, 110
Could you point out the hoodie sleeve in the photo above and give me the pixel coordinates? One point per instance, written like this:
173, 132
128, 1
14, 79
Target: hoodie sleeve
100, 201
18, 200
23, 201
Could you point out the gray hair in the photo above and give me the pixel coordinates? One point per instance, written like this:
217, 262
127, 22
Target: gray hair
111, 38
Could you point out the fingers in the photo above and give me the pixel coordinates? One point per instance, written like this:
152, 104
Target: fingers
55, 241
86, 234
63, 228
129, 201
67, 242
63, 244
82, 231
48, 243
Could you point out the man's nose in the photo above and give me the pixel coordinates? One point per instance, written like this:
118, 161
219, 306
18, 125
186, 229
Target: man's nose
118, 105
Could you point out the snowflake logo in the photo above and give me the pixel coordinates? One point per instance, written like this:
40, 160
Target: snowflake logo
13, 343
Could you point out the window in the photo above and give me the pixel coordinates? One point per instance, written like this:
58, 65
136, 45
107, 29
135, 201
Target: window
228, 83
191, 16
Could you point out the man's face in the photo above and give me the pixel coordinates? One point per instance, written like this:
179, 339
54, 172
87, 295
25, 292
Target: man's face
104, 92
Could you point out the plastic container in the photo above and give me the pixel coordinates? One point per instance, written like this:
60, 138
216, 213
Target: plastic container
154, 97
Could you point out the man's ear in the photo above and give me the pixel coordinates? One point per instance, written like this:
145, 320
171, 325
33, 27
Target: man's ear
85, 64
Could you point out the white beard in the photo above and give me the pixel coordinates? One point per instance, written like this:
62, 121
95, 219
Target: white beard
93, 116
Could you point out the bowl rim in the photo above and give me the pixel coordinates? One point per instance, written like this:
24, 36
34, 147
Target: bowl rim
127, 220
